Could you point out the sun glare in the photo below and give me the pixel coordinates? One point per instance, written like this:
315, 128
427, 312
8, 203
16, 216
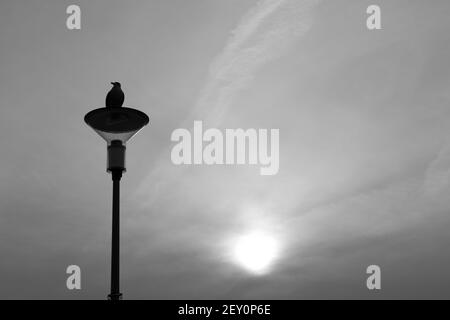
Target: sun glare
255, 252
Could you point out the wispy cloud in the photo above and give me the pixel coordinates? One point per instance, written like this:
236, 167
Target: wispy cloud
264, 34
437, 175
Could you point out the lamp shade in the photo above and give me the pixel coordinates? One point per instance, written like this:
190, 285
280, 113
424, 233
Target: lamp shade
116, 124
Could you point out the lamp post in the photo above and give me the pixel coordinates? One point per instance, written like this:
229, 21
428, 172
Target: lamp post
116, 125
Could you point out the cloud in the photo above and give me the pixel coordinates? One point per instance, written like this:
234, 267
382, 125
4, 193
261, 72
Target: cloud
264, 34
437, 175
335, 229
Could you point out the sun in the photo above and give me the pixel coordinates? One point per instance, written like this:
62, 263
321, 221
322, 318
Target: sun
256, 252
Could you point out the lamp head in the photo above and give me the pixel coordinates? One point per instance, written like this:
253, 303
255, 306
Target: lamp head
116, 123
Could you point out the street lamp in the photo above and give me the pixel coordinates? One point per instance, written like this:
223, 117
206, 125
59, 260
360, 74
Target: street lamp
116, 125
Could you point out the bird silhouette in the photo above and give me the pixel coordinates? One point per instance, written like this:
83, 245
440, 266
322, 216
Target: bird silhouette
115, 96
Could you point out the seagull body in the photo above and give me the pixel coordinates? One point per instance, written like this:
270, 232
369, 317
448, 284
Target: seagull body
115, 96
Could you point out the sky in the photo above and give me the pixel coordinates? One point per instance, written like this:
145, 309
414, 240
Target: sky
364, 173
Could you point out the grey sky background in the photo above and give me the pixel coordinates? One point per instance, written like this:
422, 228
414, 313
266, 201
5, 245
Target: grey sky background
364, 125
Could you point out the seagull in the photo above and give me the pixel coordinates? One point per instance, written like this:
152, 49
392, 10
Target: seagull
115, 96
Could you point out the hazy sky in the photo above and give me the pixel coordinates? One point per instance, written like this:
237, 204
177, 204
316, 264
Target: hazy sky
364, 119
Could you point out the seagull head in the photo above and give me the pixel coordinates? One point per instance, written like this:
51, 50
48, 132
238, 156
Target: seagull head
116, 84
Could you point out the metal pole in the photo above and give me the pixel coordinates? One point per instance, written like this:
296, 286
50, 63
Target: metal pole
115, 250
